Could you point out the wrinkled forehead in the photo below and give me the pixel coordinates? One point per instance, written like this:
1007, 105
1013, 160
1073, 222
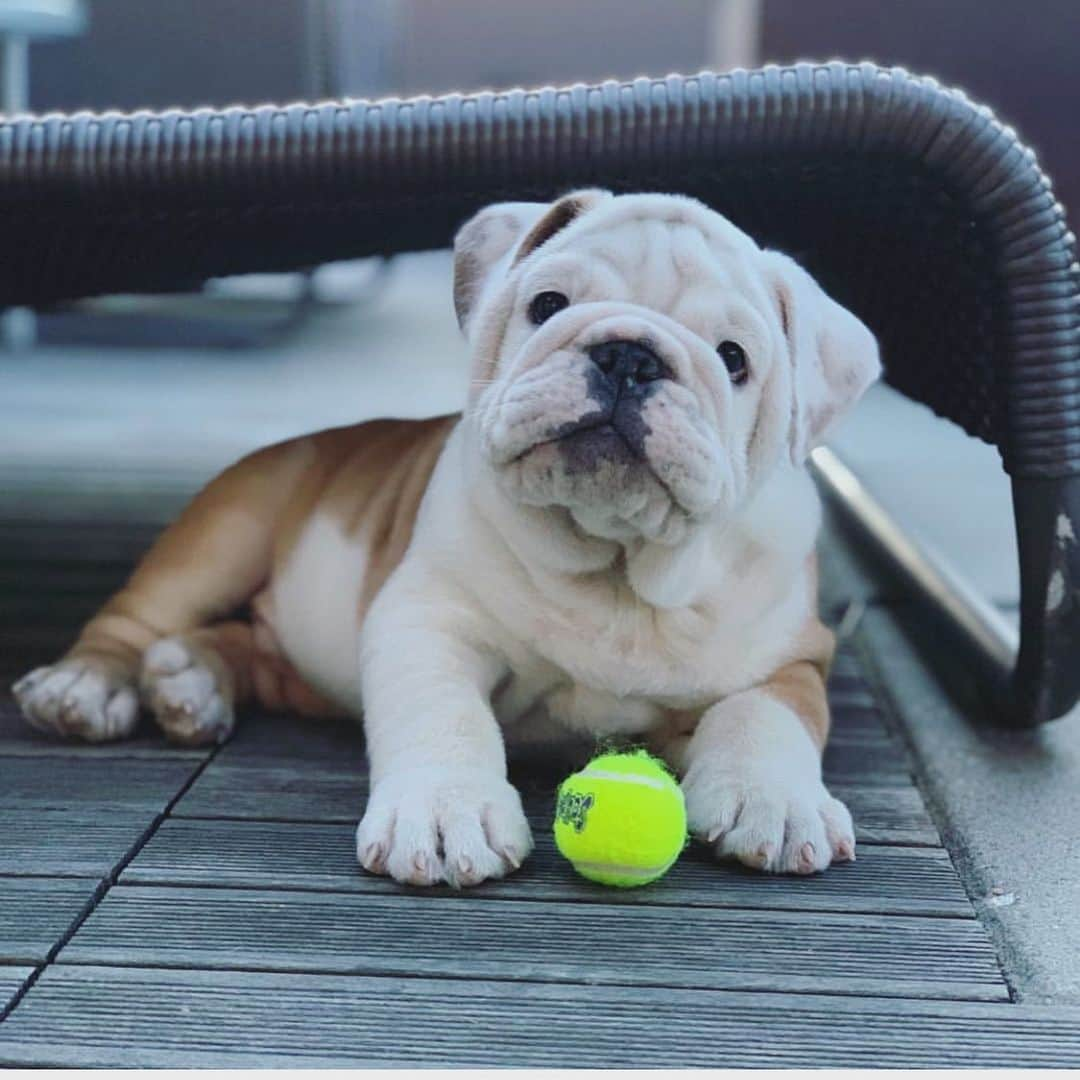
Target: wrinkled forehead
688, 250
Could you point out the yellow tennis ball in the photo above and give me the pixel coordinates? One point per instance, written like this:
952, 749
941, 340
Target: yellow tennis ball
621, 820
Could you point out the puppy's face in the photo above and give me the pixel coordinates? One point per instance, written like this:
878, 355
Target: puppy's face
640, 362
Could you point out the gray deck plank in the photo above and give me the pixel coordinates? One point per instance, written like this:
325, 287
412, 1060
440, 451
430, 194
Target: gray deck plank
114, 1017
880, 764
11, 981
863, 747
275, 855
266, 739
315, 793
64, 782
889, 815
82, 842
36, 912
867, 764
295, 793
856, 721
468, 938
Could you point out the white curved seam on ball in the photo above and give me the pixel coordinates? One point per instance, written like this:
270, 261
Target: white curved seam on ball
624, 871
628, 778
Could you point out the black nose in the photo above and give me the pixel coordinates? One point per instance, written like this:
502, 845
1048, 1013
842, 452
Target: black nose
628, 362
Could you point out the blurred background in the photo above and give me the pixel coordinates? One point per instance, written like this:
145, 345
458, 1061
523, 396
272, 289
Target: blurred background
121, 406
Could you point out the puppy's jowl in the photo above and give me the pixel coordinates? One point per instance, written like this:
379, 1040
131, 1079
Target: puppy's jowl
617, 536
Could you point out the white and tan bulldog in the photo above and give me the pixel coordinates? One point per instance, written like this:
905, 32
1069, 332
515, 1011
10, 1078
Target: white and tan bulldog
617, 536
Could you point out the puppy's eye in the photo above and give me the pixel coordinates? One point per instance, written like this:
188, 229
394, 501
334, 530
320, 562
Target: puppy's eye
734, 357
544, 305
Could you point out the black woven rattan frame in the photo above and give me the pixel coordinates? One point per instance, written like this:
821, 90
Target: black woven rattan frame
914, 206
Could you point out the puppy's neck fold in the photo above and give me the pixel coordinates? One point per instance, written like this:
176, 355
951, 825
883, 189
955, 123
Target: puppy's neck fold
778, 522
549, 542
670, 576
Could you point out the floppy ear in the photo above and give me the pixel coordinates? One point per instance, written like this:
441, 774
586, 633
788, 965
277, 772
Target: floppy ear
834, 357
502, 235
481, 242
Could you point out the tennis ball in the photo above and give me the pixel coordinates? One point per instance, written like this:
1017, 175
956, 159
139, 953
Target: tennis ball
621, 820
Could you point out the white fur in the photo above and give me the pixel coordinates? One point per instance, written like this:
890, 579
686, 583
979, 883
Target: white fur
314, 608
604, 601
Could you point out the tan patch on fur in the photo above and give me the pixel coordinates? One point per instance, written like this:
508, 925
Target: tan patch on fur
801, 687
562, 213
210, 561
343, 535
801, 684
229, 541
374, 477
554, 221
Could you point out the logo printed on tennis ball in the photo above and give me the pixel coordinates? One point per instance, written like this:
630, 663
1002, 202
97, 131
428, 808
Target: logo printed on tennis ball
621, 820
573, 807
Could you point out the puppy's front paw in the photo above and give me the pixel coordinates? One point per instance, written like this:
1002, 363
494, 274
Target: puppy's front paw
460, 826
93, 698
188, 691
755, 794
769, 825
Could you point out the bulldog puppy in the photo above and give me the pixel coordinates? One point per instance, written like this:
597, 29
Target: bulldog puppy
615, 538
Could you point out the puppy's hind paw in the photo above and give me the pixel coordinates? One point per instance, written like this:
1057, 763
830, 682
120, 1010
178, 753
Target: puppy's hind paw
88, 697
188, 691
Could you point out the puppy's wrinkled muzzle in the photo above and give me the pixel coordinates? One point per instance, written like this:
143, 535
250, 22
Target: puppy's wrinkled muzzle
602, 412
624, 374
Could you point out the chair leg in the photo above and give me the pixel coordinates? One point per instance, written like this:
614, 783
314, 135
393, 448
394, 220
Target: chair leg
1046, 683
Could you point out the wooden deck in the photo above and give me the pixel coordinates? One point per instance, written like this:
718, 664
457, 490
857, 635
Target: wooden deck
171, 907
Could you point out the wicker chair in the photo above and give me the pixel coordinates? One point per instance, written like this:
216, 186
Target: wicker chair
914, 206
